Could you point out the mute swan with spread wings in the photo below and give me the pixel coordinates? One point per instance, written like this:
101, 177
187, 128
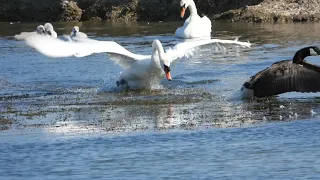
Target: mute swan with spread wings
140, 71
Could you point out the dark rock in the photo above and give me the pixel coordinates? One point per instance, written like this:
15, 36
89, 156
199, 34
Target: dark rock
155, 10
70, 11
109, 9
30, 10
158, 10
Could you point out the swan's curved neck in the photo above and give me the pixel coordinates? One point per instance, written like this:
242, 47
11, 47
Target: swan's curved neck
157, 46
192, 8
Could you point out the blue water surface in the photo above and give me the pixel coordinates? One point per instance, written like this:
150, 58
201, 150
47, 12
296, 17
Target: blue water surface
56, 125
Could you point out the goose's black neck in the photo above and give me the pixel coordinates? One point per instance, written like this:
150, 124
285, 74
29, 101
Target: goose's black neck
303, 53
300, 55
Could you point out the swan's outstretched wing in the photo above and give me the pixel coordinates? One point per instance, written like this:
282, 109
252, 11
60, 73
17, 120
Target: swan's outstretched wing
116, 52
24, 35
126, 60
54, 47
189, 48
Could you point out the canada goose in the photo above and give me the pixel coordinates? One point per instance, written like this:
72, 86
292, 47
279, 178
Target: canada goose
286, 76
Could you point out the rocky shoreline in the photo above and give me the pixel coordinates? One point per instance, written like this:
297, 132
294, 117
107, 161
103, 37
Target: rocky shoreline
155, 10
275, 11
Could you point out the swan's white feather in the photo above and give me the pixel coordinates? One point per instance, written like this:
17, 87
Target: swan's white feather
194, 26
141, 71
116, 52
79, 35
76, 34
189, 48
126, 61
54, 47
24, 35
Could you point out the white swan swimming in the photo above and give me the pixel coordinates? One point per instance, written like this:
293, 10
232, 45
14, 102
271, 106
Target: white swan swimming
140, 71
46, 30
194, 26
76, 34
39, 30
49, 30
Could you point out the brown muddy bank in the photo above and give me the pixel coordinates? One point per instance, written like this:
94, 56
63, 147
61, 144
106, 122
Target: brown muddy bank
154, 10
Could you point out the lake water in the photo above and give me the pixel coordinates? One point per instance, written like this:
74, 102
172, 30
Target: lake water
64, 118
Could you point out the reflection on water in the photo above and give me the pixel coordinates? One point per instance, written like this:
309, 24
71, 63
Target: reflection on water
144, 112
65, 118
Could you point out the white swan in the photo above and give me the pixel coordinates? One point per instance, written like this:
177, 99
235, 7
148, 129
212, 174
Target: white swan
145, 73
39, 30
194, 26
76, 34
49, 30
140, 71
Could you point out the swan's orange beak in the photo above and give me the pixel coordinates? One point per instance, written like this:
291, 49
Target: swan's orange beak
168, 75
167, 72
182, 11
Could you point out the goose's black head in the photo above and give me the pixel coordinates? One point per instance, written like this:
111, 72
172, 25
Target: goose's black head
305, 52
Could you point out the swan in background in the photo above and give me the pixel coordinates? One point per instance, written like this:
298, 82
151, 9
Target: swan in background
140, 71
76, 34
46, 30
285, 76
194, 26
39, 30
49, 30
